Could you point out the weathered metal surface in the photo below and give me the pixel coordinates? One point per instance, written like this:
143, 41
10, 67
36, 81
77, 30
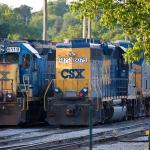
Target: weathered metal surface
73, 69
119, 113
8, 77
69, 112
146, 80
138, 76
10, 113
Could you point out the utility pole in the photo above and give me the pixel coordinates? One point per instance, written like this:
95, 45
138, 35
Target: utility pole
86, 34
69, 2
126, 38
44, 19
84, 27
89, 28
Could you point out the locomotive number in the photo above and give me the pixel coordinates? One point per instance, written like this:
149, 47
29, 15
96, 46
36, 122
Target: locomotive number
80, 60
13, 49
72, 60
72, 73
64, 60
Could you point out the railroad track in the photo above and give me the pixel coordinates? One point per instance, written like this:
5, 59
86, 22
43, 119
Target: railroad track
60, 145
28, 135
74, 139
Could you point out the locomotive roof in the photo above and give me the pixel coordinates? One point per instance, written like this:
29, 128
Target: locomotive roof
32, 50
73, 44
15, 47
123, 43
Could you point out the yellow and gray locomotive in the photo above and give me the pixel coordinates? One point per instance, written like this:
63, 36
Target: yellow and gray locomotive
88, 74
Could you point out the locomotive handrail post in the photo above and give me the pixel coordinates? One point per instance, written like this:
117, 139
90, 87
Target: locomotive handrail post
97, 102
49, 84
23, 103
28, 95
26, 87
100, 93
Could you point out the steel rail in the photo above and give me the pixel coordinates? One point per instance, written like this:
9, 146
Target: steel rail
112, 134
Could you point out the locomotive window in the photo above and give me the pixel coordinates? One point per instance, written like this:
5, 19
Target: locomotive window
10, 58
52, 56
26, 61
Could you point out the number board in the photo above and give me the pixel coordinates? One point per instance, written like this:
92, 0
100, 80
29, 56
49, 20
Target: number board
72, 60
13, 49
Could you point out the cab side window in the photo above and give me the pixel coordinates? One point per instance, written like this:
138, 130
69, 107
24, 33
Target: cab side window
26, 61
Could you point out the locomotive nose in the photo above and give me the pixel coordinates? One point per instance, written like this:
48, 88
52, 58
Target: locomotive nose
71, 110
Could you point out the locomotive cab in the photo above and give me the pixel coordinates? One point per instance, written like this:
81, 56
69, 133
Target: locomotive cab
72, 85
20, 97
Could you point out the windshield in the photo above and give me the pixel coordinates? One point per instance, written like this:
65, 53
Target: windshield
10, 58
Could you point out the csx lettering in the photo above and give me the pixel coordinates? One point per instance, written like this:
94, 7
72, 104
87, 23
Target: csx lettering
72, 73
4, 75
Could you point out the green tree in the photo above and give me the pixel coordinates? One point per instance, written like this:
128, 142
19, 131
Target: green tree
132, 16
7, 17
12, 26
70, 20
24, 12
13, 36
64, 27
58, 8
61, 24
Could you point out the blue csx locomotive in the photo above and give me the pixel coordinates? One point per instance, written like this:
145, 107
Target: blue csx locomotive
94, 74
34, 78
24, 68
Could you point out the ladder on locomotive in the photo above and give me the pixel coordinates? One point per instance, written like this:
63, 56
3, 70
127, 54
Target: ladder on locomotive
24, 89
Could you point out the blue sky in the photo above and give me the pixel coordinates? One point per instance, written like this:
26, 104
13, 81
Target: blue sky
35, 4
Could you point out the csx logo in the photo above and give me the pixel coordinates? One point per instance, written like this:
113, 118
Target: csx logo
4, 75
72, 73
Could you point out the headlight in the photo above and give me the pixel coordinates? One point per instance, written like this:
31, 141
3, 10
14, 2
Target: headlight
83, 92
58, 92
9, 95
